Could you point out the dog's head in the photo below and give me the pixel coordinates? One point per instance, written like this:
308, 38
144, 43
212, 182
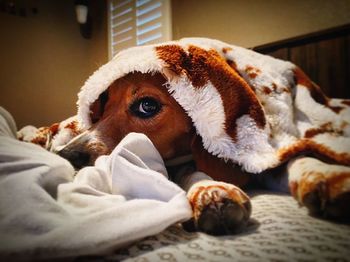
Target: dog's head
134, 103
204, 108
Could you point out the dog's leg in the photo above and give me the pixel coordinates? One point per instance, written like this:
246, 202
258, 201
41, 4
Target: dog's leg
218, 208
323, 188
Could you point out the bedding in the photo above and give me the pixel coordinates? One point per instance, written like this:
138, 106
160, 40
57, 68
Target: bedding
48, 211
34, 224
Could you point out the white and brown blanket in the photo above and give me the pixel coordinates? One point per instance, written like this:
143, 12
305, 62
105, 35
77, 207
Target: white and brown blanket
252, 109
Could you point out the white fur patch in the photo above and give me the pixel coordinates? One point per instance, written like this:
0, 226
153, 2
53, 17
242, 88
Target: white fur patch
303, 165
27, 133
64, 135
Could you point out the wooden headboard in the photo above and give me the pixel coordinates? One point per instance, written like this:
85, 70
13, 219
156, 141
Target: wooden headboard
324, 56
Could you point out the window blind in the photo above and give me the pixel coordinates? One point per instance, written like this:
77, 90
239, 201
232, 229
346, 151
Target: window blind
138, 22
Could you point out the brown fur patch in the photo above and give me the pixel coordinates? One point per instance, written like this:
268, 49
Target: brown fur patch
332, 184
336, 183
346, 102
226, 49
309, 146
307, 185
252, 71
201, 65
335, 109
286, 90
231, 64
344, 124
274, 86
275, 89
40, 140
41, 136
315, 91
266, 90
54, 128
325, 128
253, 75
180, 62
73, 126
194, 198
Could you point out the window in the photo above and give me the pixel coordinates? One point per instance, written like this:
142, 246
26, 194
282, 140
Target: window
137, 22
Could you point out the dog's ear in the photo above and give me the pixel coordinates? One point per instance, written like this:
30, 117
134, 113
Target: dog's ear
97, 107
215, 167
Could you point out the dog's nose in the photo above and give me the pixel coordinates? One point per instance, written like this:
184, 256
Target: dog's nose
78, 159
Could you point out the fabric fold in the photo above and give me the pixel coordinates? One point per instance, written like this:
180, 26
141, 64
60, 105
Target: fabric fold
46, 211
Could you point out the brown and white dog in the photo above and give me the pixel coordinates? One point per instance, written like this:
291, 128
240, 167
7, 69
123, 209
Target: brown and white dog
140, 103
269, 119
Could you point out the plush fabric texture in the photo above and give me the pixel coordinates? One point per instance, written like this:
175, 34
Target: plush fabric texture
50, 211
51, 137
252, 109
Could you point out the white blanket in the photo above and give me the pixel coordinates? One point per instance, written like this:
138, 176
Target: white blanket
46, 211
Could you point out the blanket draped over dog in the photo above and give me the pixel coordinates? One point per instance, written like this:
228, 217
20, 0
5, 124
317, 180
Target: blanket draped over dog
47, 212
252, 109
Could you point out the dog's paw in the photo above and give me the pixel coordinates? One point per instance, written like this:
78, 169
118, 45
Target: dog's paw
218, 208
323, 189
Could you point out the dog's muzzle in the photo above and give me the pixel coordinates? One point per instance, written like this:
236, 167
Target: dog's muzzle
76, 151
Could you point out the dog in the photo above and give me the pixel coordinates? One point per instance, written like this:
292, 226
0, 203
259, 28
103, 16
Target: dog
141, 101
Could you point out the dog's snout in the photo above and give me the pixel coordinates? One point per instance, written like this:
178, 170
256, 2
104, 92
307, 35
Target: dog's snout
76, 151
78, 159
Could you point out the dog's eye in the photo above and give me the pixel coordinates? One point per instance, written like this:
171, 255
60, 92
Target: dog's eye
145, 107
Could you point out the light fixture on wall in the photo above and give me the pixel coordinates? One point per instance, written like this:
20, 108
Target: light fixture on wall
83, 17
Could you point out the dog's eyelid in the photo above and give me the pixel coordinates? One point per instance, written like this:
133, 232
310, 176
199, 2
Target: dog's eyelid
139, 99
141, 96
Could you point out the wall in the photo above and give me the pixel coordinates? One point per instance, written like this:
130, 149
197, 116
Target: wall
251, 23
45, 60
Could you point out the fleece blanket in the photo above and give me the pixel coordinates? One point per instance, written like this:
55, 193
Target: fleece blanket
251, 109
48, 211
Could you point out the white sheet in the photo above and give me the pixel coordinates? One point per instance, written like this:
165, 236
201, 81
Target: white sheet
46, 211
